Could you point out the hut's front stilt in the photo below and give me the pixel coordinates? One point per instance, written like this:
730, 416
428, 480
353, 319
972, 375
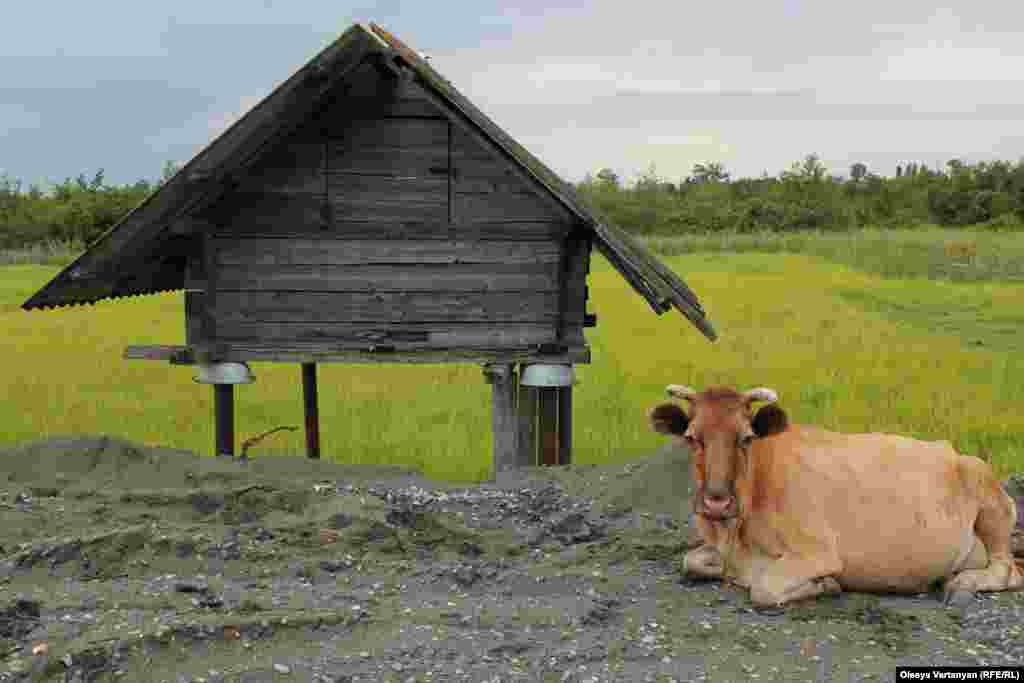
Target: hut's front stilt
224, 417
504, 423
311, 409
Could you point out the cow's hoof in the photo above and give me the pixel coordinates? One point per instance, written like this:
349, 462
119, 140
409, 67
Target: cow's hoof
957, 598
829, 586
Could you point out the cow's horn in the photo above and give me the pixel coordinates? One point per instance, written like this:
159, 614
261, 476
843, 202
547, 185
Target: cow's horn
761, 394
679, 391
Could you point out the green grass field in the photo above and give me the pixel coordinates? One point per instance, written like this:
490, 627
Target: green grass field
845, 348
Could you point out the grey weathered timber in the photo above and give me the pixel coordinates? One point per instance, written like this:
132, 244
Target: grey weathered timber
504, 425
267, 211
565, 425
486, 187
295, 167
401, 337
388, 307
195, 271
176, 355
575, 289
324, 353
526, 414
311, 410
224, 417
396, 135
547, 425
385, 99
248, 225
486, 207
427, 277
299, 251
195, 309
211, 275
387, 198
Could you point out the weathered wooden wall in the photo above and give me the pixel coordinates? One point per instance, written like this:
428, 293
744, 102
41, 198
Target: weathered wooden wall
380, 224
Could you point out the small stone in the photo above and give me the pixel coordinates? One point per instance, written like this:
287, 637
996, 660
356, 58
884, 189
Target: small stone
282, 669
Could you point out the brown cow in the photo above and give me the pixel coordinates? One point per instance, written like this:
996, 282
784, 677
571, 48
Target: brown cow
792, 511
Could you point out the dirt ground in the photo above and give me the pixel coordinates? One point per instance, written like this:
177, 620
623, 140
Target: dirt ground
126, 563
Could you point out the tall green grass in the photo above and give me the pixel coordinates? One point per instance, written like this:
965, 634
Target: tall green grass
912, 253
46, 253
845, 349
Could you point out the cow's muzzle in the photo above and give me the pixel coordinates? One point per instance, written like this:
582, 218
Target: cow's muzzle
719, 507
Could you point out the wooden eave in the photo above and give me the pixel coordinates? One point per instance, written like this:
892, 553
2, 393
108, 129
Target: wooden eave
146, 238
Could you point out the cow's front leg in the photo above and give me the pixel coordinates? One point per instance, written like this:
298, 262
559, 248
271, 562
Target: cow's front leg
789, 579
705, 562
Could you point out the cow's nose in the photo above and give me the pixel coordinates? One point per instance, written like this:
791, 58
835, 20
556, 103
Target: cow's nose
717, 505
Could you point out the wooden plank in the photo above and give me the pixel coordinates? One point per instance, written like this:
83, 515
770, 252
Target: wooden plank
504, 425
311, 410
482, 169
565, 425
453, 215
154, 352
547, 425
267, 211
402, 337
195, 272
578, 253
425, 162
207, 323
195, 309
367, 91
224, 416
502, 206
384, 198
298, 251
397, 230
436, 278
388, 307
526, 409
464, 185
295, 167
323, 353
353, 134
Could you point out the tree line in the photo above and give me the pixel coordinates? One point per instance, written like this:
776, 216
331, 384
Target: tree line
989, 194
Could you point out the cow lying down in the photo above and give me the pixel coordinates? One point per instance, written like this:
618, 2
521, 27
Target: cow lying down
792, 512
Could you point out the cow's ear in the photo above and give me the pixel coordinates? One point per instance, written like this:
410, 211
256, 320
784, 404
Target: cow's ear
668, 418
770, 419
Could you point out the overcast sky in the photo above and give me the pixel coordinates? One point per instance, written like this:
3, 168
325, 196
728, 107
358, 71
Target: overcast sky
755, 85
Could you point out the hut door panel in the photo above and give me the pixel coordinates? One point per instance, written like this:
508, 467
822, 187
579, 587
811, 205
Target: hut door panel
389, 169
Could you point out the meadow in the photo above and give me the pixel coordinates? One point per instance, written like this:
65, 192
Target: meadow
867, 331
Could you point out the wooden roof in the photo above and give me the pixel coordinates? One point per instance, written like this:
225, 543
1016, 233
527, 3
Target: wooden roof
144, 253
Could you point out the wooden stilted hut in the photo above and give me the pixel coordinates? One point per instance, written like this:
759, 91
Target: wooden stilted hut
366, 212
